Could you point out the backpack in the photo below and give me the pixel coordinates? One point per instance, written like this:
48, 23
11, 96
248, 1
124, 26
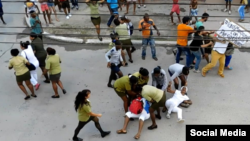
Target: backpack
136, 106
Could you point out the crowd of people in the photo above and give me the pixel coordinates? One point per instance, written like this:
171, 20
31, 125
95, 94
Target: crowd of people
140, 99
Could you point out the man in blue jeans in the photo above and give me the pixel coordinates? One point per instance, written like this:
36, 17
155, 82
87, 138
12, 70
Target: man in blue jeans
114, 10
182, 40
145, 25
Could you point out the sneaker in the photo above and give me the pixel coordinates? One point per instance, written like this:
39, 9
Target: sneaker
67, 17
77, 7
72, 7
225, 10
70, 15
103, 134
191, 67
180, 120
144, 6
139, 6
168, 116
229, 12
155, 58
143, 57
196, 71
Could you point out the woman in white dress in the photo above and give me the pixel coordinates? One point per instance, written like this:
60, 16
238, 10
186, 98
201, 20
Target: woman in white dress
29, 55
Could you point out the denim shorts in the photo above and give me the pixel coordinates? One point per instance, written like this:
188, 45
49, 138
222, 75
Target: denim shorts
50, 4
115, 10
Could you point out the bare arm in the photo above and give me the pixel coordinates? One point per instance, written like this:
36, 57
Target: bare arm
217, 40
206, 45
169, 89
95, 115
158, 33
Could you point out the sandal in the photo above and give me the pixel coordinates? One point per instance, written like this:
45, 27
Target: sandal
121, 132
137, 137
152, 127
164, 110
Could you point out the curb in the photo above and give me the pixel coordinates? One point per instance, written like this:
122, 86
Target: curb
58, 38
107, 41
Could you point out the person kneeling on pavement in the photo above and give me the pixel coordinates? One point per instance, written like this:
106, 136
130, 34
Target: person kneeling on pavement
178, 98
139, 108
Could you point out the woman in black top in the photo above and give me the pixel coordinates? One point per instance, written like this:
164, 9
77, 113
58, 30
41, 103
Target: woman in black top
195, 47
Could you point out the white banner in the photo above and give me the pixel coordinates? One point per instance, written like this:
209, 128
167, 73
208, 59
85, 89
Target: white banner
233, 33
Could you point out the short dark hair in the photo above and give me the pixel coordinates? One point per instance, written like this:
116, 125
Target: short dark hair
116, 22
143, 71
157, 70
146, 15
14, 52
205, 15
185, 70
51, 51
33, 35
117, 42
201, 28
133, 79
185, 19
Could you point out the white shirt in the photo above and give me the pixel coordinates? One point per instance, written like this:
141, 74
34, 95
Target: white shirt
29, 9
176, 70
115, 56
178, 98
220, 47
160, 80
29, 55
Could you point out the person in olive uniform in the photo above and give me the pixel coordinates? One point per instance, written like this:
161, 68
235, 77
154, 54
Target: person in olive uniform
40, 53
22, 72
85, 115
123, 88
142, 76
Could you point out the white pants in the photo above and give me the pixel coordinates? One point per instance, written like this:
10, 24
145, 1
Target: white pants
173, 107
143, 116
33, 79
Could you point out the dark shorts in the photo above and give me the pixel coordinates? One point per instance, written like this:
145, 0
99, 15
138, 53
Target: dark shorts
55, 77
23, 77
96, 21
115, 69
170, 73
159, 104
1, 11
126, 43
65, 4
41, 61
56, 2
208, 50
120, 94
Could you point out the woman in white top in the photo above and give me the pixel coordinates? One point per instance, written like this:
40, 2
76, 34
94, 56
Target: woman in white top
29, 55
173, 103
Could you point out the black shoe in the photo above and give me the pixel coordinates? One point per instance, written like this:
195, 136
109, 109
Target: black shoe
152, 127
77, 139
155, 58
191, 67
34, 95
77, 7
55, 96
105, 133
143, 57
133, 49
64, 91
181, 58
46, 81
110, 86
158, 116
27, 97
73, 7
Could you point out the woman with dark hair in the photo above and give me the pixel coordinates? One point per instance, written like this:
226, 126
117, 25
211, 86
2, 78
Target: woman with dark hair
40, 53
85, 115
29, 55
196, 47
95, 17
142, 76
124, 89
159, 77
53, 66
22, 72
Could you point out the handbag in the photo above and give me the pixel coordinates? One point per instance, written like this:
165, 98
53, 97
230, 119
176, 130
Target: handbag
31, 67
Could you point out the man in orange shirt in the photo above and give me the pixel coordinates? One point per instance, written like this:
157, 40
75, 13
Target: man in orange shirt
182, 40
145, 25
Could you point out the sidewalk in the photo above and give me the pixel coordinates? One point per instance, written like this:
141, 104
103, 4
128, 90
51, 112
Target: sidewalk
79, 26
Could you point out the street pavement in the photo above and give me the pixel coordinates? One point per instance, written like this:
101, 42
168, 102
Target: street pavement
215, 100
